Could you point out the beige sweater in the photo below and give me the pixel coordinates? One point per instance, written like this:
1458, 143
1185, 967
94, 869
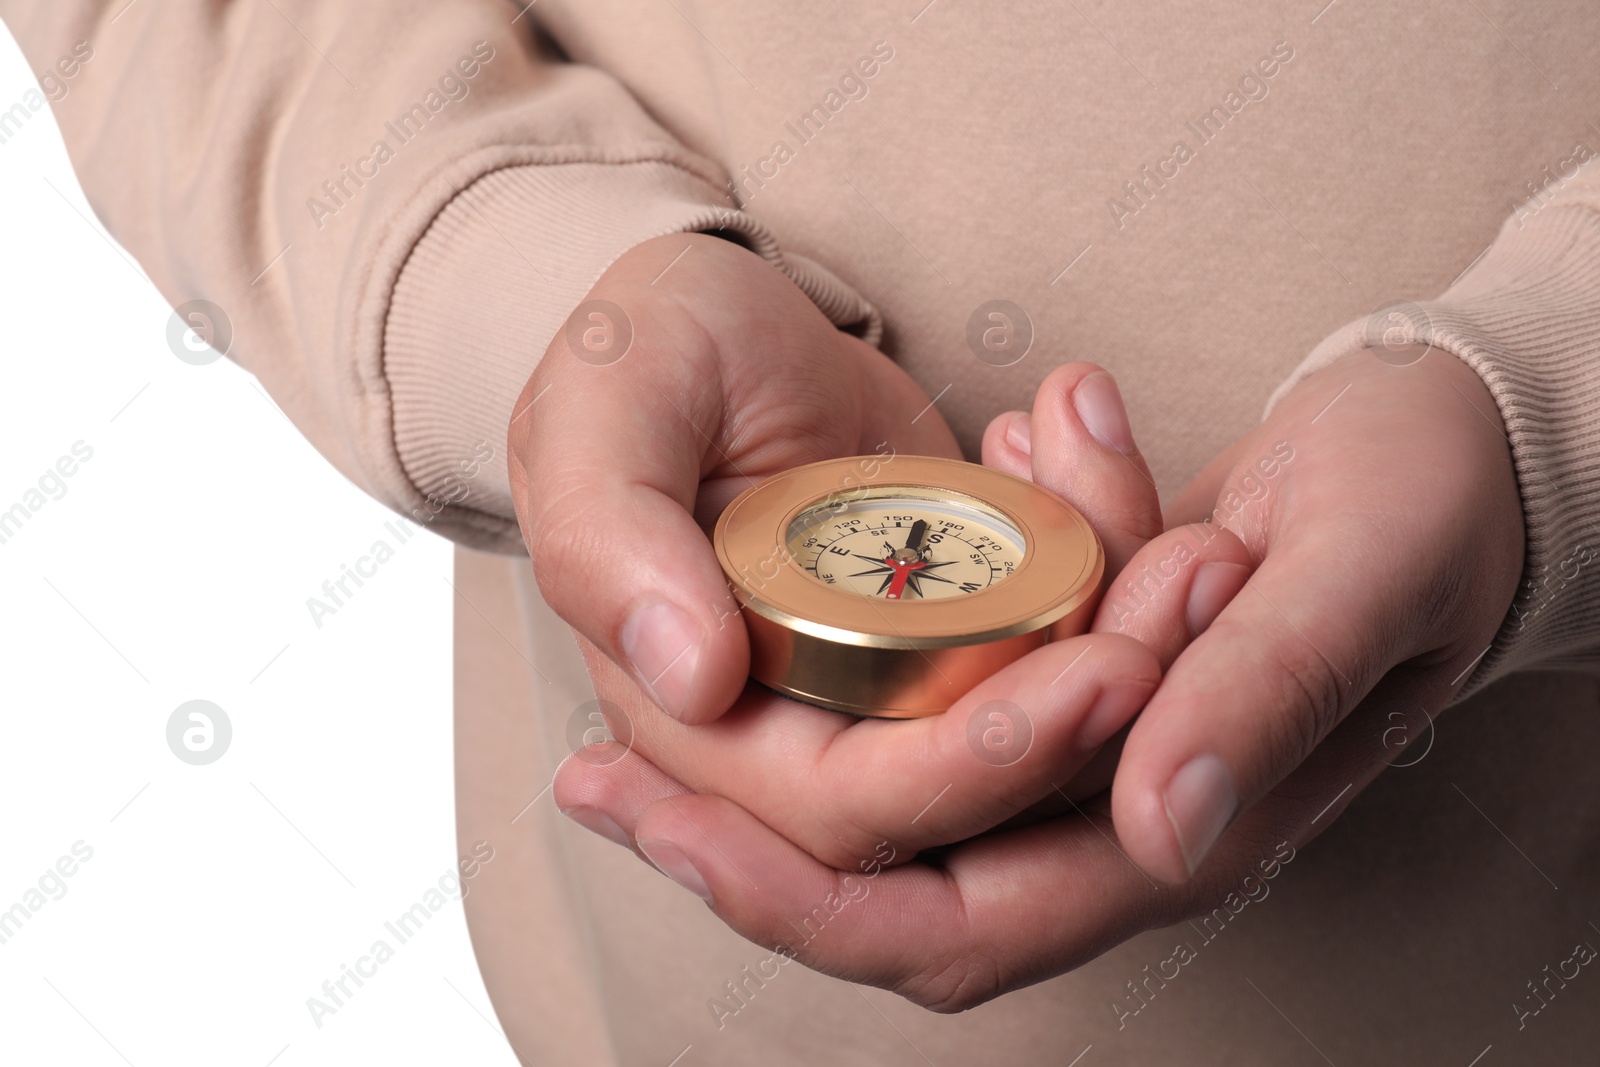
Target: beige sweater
398, 203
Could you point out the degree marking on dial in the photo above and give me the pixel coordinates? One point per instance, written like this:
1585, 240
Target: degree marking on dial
900, 568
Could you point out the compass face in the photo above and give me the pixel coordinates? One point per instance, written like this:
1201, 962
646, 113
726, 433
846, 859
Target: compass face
905, 543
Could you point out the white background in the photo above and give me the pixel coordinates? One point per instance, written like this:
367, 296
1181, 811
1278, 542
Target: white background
177, 567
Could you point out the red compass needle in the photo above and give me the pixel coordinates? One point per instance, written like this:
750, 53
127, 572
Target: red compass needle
902, 572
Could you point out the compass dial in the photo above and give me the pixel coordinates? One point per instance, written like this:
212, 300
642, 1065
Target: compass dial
902, 543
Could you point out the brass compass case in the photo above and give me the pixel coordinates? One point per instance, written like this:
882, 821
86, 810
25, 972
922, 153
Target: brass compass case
916, 643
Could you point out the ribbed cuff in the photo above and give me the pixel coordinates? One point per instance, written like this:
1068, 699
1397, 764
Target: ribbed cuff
1526, 317
490, 283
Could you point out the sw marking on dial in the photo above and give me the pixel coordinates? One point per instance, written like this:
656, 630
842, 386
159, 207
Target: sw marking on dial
905, 548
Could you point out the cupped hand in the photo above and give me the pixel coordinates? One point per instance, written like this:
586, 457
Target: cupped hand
1380, 510
692, 370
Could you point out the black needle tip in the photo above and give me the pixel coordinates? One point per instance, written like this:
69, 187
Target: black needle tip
919, 530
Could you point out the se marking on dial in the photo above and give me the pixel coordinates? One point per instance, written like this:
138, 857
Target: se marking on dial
906, 549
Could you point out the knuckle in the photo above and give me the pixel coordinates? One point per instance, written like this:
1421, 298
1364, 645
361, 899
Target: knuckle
954, 984
563, 535
1311, 703
590, 785
840, 841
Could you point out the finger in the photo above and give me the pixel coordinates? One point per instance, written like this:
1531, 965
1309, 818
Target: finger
999, 913
604, 788
1168, 594
1082, 449
834, 785
1174, 588
1254, 695
1090, 780
1008, 443
1015, 739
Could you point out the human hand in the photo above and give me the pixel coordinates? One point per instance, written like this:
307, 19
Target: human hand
1380, 504
692, 369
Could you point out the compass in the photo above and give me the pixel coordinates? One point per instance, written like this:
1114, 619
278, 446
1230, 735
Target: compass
888, 586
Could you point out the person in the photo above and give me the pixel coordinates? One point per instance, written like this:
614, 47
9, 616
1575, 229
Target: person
796, 227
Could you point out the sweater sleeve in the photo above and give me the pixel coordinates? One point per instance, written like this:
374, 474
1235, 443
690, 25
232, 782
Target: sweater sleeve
391, 207
1526, 317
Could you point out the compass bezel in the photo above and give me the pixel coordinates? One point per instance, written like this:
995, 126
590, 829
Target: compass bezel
1061, 566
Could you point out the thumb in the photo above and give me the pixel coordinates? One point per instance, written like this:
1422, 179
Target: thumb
607, 461
1244, 705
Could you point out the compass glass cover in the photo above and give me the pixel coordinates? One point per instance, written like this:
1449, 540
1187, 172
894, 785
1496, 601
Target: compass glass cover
905, 543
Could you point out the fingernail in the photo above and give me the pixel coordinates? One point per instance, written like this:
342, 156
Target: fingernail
663, 644
1019, 432
1200, 802
598, 822
1110, 713
1215, 584
1099, 405
670, 861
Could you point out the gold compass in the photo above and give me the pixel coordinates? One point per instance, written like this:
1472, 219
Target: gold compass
890, 585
